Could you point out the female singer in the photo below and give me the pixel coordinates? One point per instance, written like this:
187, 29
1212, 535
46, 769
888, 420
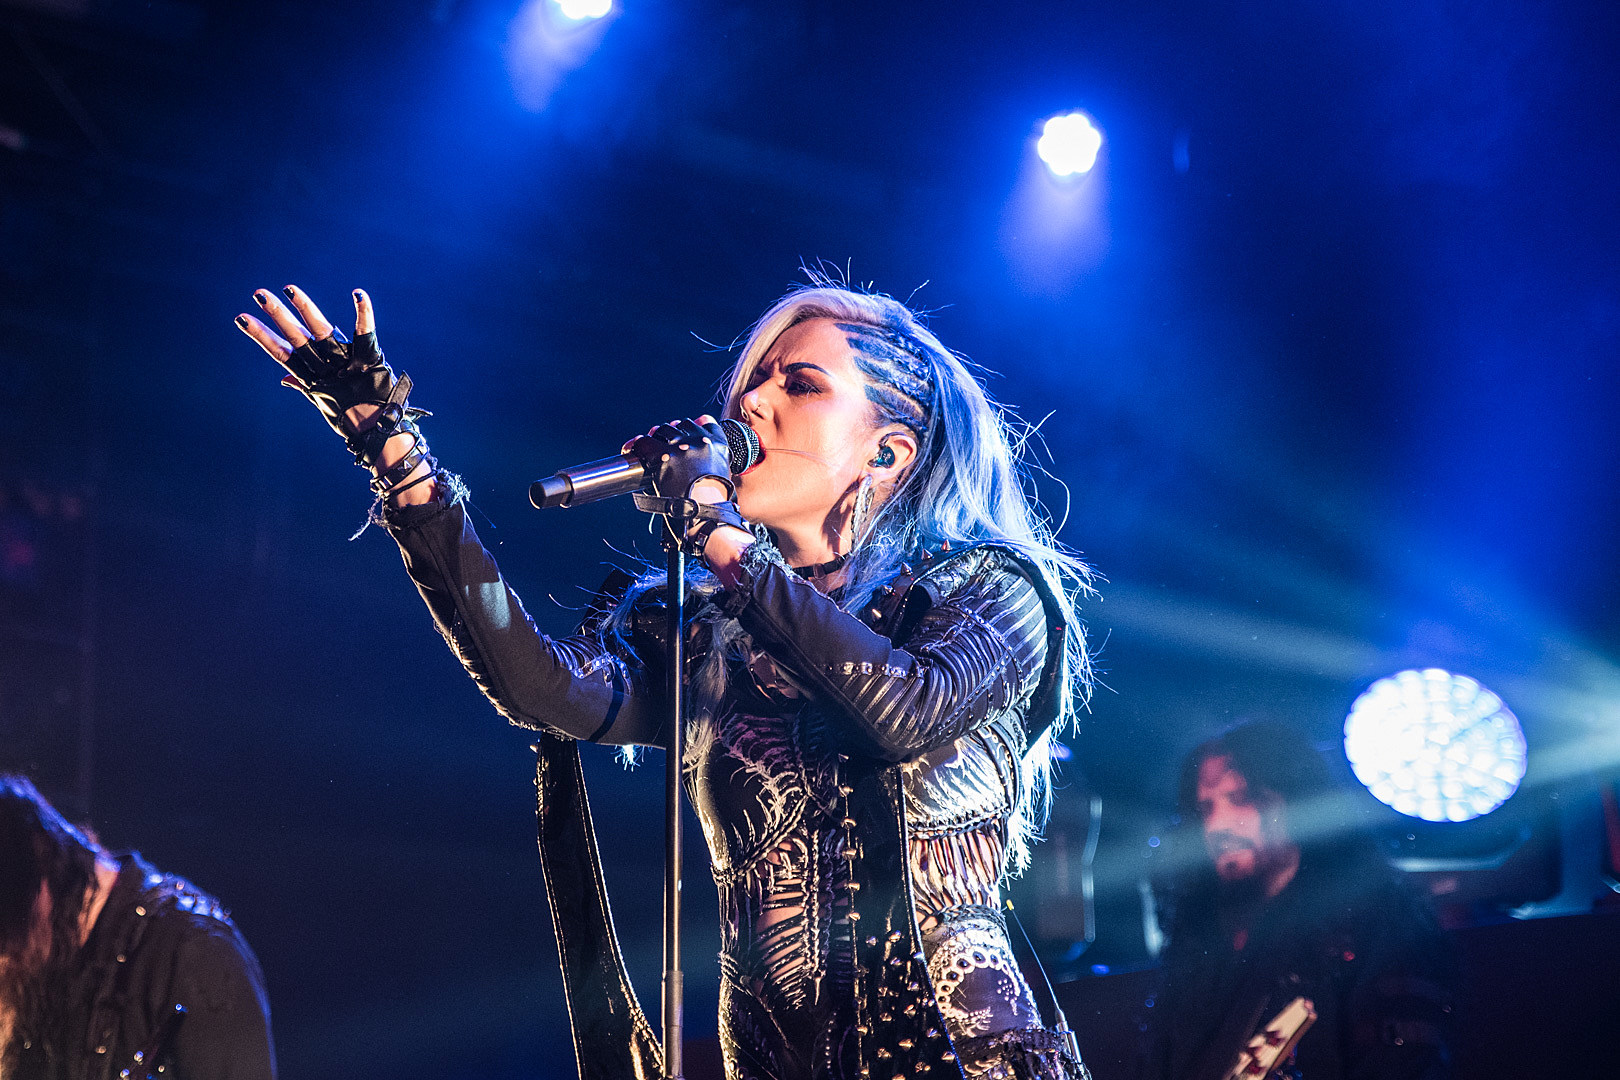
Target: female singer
881, 654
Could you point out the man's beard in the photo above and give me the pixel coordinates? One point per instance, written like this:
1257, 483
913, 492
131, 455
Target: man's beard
1239, 898
1241, 892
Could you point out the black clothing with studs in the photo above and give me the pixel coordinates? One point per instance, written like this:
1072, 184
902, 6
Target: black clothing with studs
159, 943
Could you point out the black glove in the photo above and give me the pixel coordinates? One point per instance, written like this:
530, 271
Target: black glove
336, 374
677, 456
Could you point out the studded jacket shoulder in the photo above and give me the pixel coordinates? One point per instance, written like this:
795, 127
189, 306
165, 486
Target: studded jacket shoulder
969, 644
160, 942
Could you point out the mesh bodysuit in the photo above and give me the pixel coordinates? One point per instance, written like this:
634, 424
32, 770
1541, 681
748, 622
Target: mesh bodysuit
809, 695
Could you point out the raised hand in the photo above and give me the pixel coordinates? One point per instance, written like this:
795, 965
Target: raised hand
351, 384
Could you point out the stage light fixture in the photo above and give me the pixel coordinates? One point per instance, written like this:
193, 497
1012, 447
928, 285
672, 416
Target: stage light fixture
581, 10
1434, 745
1069, 144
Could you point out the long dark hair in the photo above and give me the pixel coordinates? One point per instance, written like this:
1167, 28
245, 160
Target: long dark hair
1271, 757
39, 847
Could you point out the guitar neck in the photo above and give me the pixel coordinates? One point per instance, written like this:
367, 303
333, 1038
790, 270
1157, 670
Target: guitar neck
1275, 1042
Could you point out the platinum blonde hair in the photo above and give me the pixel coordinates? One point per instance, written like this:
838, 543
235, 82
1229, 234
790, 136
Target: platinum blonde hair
968, 486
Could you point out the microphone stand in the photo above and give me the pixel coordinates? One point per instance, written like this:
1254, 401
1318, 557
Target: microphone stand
674, 990
600, 479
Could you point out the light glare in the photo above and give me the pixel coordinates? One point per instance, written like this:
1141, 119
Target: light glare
1434, 745
1069, 144
580, 10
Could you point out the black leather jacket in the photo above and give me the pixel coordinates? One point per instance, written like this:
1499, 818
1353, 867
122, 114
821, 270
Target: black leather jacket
855, 784
160, 942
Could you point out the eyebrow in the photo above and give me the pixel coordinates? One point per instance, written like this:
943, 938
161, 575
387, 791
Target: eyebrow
803, 365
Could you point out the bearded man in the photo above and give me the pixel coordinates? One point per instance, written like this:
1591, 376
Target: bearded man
110, 969
1283, 897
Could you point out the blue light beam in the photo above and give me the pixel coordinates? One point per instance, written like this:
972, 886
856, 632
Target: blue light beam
1054, 227
547, 40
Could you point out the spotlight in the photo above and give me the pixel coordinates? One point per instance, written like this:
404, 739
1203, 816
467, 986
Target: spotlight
580, 10
1434, 745
1069, 144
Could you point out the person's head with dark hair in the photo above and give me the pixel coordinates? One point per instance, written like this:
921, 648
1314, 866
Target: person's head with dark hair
38, 848
1265, 804
47, 868
1271, 756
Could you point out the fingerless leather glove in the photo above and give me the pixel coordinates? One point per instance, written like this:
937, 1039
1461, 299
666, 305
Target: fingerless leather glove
336, 374
677, 456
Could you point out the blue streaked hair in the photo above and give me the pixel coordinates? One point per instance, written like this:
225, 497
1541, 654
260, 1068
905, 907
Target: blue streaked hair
969, 486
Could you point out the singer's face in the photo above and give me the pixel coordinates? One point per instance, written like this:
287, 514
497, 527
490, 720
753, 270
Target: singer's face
807, 402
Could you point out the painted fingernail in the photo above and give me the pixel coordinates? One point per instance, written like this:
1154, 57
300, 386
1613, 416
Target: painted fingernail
358, 295
242, 321
287, 291
261, 298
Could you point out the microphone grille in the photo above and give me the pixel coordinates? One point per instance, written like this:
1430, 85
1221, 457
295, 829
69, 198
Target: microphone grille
742, 445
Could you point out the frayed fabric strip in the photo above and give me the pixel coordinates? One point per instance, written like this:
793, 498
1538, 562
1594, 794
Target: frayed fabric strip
754, 561
762, 553
452, 489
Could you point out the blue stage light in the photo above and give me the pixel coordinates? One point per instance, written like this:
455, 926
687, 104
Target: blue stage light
580, 10
1069, 144
1434, 745
547, 40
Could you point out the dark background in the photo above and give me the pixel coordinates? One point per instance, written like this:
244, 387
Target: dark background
1328, 340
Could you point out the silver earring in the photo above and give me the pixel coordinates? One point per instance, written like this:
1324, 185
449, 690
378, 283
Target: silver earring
863, 508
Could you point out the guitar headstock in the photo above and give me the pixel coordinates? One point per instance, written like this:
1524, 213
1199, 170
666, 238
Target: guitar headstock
1275, 1042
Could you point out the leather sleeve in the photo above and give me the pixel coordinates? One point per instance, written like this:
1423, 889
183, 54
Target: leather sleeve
977, 652
584, 687
226, 1032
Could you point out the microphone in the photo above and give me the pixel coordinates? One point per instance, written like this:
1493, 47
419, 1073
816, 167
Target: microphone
625, 472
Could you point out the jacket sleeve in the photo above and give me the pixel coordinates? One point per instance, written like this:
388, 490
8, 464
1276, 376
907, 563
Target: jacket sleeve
976, 653
587, 686
226, 1031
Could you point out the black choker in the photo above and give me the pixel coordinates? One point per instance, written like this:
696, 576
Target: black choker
831, 566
